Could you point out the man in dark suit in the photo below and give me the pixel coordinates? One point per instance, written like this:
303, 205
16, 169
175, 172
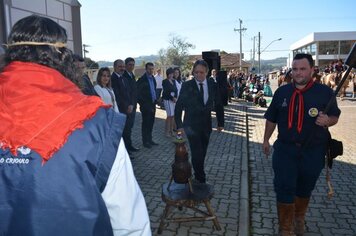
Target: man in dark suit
146, 97
131, 109
87, 86
197, 98
121, 89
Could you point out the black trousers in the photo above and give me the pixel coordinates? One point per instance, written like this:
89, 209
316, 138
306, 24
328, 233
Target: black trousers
126, 134
148, 119
198, 143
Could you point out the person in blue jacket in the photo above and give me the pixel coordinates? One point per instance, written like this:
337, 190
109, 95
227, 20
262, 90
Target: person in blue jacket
300, 149
63, 165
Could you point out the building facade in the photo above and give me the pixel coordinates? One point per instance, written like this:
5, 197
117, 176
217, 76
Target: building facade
325, 46
64, 12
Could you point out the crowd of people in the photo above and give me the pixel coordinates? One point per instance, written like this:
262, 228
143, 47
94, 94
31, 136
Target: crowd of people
73, 140
252, 88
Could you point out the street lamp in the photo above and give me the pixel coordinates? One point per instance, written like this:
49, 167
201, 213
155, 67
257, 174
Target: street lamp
259, 51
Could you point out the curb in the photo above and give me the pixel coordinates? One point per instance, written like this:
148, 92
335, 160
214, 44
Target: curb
244, 207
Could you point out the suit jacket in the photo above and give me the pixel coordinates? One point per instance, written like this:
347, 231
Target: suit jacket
121, 89
197, 115
133, 88
88, 88
144, 97
170, 91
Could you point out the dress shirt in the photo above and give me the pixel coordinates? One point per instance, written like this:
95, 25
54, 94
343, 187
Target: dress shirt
159, 80
152, 87
205, 87
122, 78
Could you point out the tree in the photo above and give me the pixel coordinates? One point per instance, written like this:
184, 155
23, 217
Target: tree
162, 57
177, 53
90, 64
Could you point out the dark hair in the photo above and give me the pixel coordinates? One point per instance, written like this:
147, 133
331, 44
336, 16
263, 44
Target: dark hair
170, 70
77, 58
309, 57
177, 69
100, 74
202, 63
40, 29
149, 64
128, 60
117, 62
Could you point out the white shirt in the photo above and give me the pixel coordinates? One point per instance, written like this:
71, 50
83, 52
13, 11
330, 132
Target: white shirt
124, 200
179, 86
205, 88
107, 95
159, 80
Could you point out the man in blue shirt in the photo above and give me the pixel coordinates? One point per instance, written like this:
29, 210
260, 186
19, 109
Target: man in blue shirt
299, 152
146, 97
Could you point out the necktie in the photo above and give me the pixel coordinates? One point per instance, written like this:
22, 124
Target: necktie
122, 80
201, 91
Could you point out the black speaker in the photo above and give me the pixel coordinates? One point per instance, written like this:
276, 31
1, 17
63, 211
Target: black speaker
221, 79
210, 55
213, 60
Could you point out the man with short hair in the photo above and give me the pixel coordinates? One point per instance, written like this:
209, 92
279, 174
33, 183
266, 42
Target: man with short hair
87, 86
129, 77
147, 98
299, 152
121, 89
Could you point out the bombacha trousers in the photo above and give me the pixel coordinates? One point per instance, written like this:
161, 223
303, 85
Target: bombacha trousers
296, 170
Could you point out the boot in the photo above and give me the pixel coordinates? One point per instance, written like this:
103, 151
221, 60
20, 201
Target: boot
301, 206
285, 218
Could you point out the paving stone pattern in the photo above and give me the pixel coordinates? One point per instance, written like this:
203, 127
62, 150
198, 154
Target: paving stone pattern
153, 168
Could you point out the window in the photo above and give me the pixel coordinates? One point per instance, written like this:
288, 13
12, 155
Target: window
345, 46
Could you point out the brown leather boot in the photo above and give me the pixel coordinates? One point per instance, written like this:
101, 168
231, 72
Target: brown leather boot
301, 206
286, 218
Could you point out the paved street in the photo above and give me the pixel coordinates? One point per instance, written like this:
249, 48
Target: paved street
153, 168
226, 153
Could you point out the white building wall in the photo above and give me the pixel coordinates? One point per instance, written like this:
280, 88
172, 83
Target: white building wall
38, 6
55, 9
58, 10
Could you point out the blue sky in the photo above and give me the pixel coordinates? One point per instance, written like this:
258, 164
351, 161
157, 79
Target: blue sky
118, 28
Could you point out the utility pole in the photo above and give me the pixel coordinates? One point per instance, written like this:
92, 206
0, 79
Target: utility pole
85, 46
240, 30
254, 51
259, 53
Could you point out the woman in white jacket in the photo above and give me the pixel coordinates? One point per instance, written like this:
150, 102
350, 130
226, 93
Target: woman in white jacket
104, 89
